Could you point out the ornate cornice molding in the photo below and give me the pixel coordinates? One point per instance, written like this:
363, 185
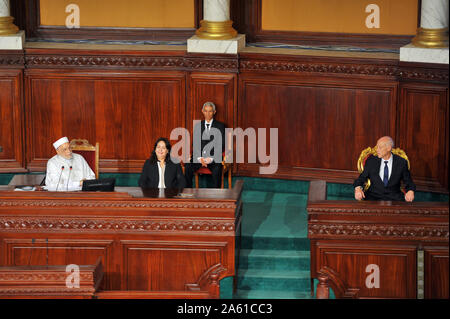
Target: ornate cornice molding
12, 60
227, 64
318, 67
379, 212
102, 61
46, 224
358, 68
114, 204
133, 61
44, 277
212, 64
424, 75
363, 231
51, 291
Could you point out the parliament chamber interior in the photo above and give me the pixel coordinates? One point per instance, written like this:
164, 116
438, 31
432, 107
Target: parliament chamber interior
304, 91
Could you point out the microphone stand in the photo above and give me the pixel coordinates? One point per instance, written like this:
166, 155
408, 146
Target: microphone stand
57, 185
67, 186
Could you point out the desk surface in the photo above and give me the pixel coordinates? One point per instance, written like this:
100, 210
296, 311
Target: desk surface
7, 191
27, 179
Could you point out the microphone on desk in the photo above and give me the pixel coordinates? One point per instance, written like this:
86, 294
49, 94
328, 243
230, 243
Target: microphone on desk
31, 251
57, 185
70, 171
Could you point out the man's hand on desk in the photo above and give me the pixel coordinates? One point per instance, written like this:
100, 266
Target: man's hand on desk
409, 196
359, 193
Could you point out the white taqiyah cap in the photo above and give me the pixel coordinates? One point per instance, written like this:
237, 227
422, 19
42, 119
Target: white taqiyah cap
60, 142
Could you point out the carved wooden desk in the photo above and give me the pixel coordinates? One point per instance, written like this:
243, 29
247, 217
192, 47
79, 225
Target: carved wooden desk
373, 249
151, 244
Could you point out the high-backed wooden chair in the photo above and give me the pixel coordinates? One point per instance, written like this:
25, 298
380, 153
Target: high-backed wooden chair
226, 167
373, 151
88, 151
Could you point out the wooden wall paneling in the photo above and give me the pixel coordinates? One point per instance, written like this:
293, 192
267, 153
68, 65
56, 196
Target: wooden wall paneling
436, 272
132, 114
11, 119
323, 123
423, 116
218, 88
178, 264
124, 111
397, 275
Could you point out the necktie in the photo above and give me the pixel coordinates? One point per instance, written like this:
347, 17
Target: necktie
207, 126
386, 174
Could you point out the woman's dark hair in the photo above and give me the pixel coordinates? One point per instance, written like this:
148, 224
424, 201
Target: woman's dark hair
153, 157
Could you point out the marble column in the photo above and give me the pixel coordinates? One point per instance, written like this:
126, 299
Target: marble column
433, 31
216, 33
10, 36
216, 23
431, 42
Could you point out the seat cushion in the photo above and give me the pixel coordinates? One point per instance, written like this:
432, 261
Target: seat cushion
203, 170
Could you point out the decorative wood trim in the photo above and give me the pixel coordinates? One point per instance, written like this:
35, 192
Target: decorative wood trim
244, 62
46, 224
328, 277
209, 281
371, 231
101, 60
12, 59
141, 60
206, 62
356, 211
323, 68
423, 72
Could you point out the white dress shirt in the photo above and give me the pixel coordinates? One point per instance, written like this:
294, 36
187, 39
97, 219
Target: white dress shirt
389, 164
207, 159
161, 175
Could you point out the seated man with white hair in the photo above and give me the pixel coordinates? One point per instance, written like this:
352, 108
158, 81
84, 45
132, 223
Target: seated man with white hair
66, 171
386, 171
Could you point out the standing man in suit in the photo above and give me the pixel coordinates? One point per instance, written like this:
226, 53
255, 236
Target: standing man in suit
207, 156
385, 172
159, 171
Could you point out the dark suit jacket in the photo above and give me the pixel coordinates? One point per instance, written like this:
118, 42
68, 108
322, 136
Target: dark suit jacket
392, 191
173, 176
216, 124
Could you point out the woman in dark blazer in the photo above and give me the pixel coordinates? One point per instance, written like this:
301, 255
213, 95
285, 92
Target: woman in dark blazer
160, 163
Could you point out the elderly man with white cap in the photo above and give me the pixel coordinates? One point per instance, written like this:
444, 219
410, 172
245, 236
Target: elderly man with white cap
66, 171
